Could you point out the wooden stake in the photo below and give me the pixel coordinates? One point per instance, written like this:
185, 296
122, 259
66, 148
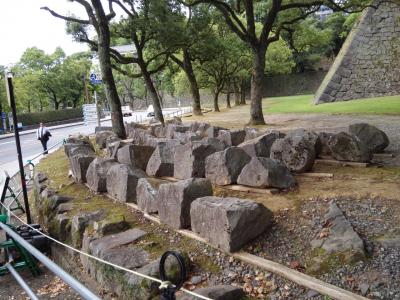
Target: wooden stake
342, 163
327, 175
246, 189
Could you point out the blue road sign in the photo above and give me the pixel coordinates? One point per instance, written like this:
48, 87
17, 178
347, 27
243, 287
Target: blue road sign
95, 79
3, 115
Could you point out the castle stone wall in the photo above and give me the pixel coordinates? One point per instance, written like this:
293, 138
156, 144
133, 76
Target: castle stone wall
368, 64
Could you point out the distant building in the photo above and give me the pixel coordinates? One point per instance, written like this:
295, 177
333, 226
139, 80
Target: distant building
323, 12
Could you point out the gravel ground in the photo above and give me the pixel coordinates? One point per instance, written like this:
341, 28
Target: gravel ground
378, 277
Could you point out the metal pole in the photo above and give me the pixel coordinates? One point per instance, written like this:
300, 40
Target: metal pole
72, 282
21, 282
97, 108
18, 144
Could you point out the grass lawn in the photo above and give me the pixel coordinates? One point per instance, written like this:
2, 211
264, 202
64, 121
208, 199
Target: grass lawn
304, 104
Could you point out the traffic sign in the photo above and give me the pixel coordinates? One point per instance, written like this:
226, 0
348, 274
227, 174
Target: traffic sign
3, 115
95, 78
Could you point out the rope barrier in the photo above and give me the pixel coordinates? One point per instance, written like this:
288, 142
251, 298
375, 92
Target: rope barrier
102, 260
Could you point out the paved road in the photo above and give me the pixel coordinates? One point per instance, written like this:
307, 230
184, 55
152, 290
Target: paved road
31, 146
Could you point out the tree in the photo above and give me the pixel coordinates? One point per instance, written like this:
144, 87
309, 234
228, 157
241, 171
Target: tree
99, 20
309, 42
197, 42
232, 57
151, 26
274, 16
55, 77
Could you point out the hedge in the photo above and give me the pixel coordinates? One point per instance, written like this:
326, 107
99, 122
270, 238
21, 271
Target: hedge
50, 116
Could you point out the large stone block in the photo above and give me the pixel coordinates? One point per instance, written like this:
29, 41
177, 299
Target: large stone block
264, 172
122, 181
102, 136
72, 149
79, 165
136, 156
147, 194
161, 162
296, 152
176, 198
261, 145
224, 167
232, 137
218, 292
229, 223
324, 138
213, 131
375, 139
347, 147
310, 136
190, 158
96, 175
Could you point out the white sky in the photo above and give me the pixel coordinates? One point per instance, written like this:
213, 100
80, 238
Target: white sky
23, 24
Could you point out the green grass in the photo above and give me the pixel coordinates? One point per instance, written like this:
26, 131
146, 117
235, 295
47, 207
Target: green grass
304, 104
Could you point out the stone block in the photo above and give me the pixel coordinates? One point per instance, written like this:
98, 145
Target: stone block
218, 292
175, 200
190, 158
229, 223
262, 172
296, 152
260, 146
347, 147
112, 224
102, 136
147, 194
122, 181
224, 167
99, 246
135, 156
96, 175
161, 162
232, 137
79, 165
375, 139
213, 131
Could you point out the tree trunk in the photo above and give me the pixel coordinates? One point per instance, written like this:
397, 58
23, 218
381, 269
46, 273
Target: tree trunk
257, 80
242, 93
194, 88
237, 93
106, 70
216, 94
153, 94
228, 96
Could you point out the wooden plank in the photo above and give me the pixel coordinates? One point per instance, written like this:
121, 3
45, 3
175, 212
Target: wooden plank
246, 189
297, 277
342, 163
169, 178
326, 175
383, 155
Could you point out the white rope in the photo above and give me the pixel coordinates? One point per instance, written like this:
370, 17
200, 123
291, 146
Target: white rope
102, 260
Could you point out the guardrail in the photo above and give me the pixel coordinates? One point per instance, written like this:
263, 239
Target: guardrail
176, 113
72, 282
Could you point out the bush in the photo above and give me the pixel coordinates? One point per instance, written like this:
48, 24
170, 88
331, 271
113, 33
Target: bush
50, 116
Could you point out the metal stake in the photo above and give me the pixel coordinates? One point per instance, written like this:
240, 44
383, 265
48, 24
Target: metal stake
18, 144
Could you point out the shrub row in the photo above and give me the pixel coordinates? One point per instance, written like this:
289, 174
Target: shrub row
50, 116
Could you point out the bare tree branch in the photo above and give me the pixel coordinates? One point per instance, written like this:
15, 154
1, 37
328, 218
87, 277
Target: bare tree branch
69, 19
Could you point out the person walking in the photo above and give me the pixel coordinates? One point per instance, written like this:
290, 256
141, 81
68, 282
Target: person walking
43, 135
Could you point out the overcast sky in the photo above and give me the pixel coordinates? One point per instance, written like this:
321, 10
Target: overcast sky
23, 24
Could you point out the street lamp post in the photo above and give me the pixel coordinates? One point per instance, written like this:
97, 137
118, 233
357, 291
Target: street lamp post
11, 99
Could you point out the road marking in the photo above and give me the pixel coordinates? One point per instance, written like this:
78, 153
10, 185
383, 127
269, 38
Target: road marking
7, 143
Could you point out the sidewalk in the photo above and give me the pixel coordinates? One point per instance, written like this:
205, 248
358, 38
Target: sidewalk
4, 136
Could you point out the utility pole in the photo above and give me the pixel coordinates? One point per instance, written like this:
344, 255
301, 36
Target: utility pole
11, 99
